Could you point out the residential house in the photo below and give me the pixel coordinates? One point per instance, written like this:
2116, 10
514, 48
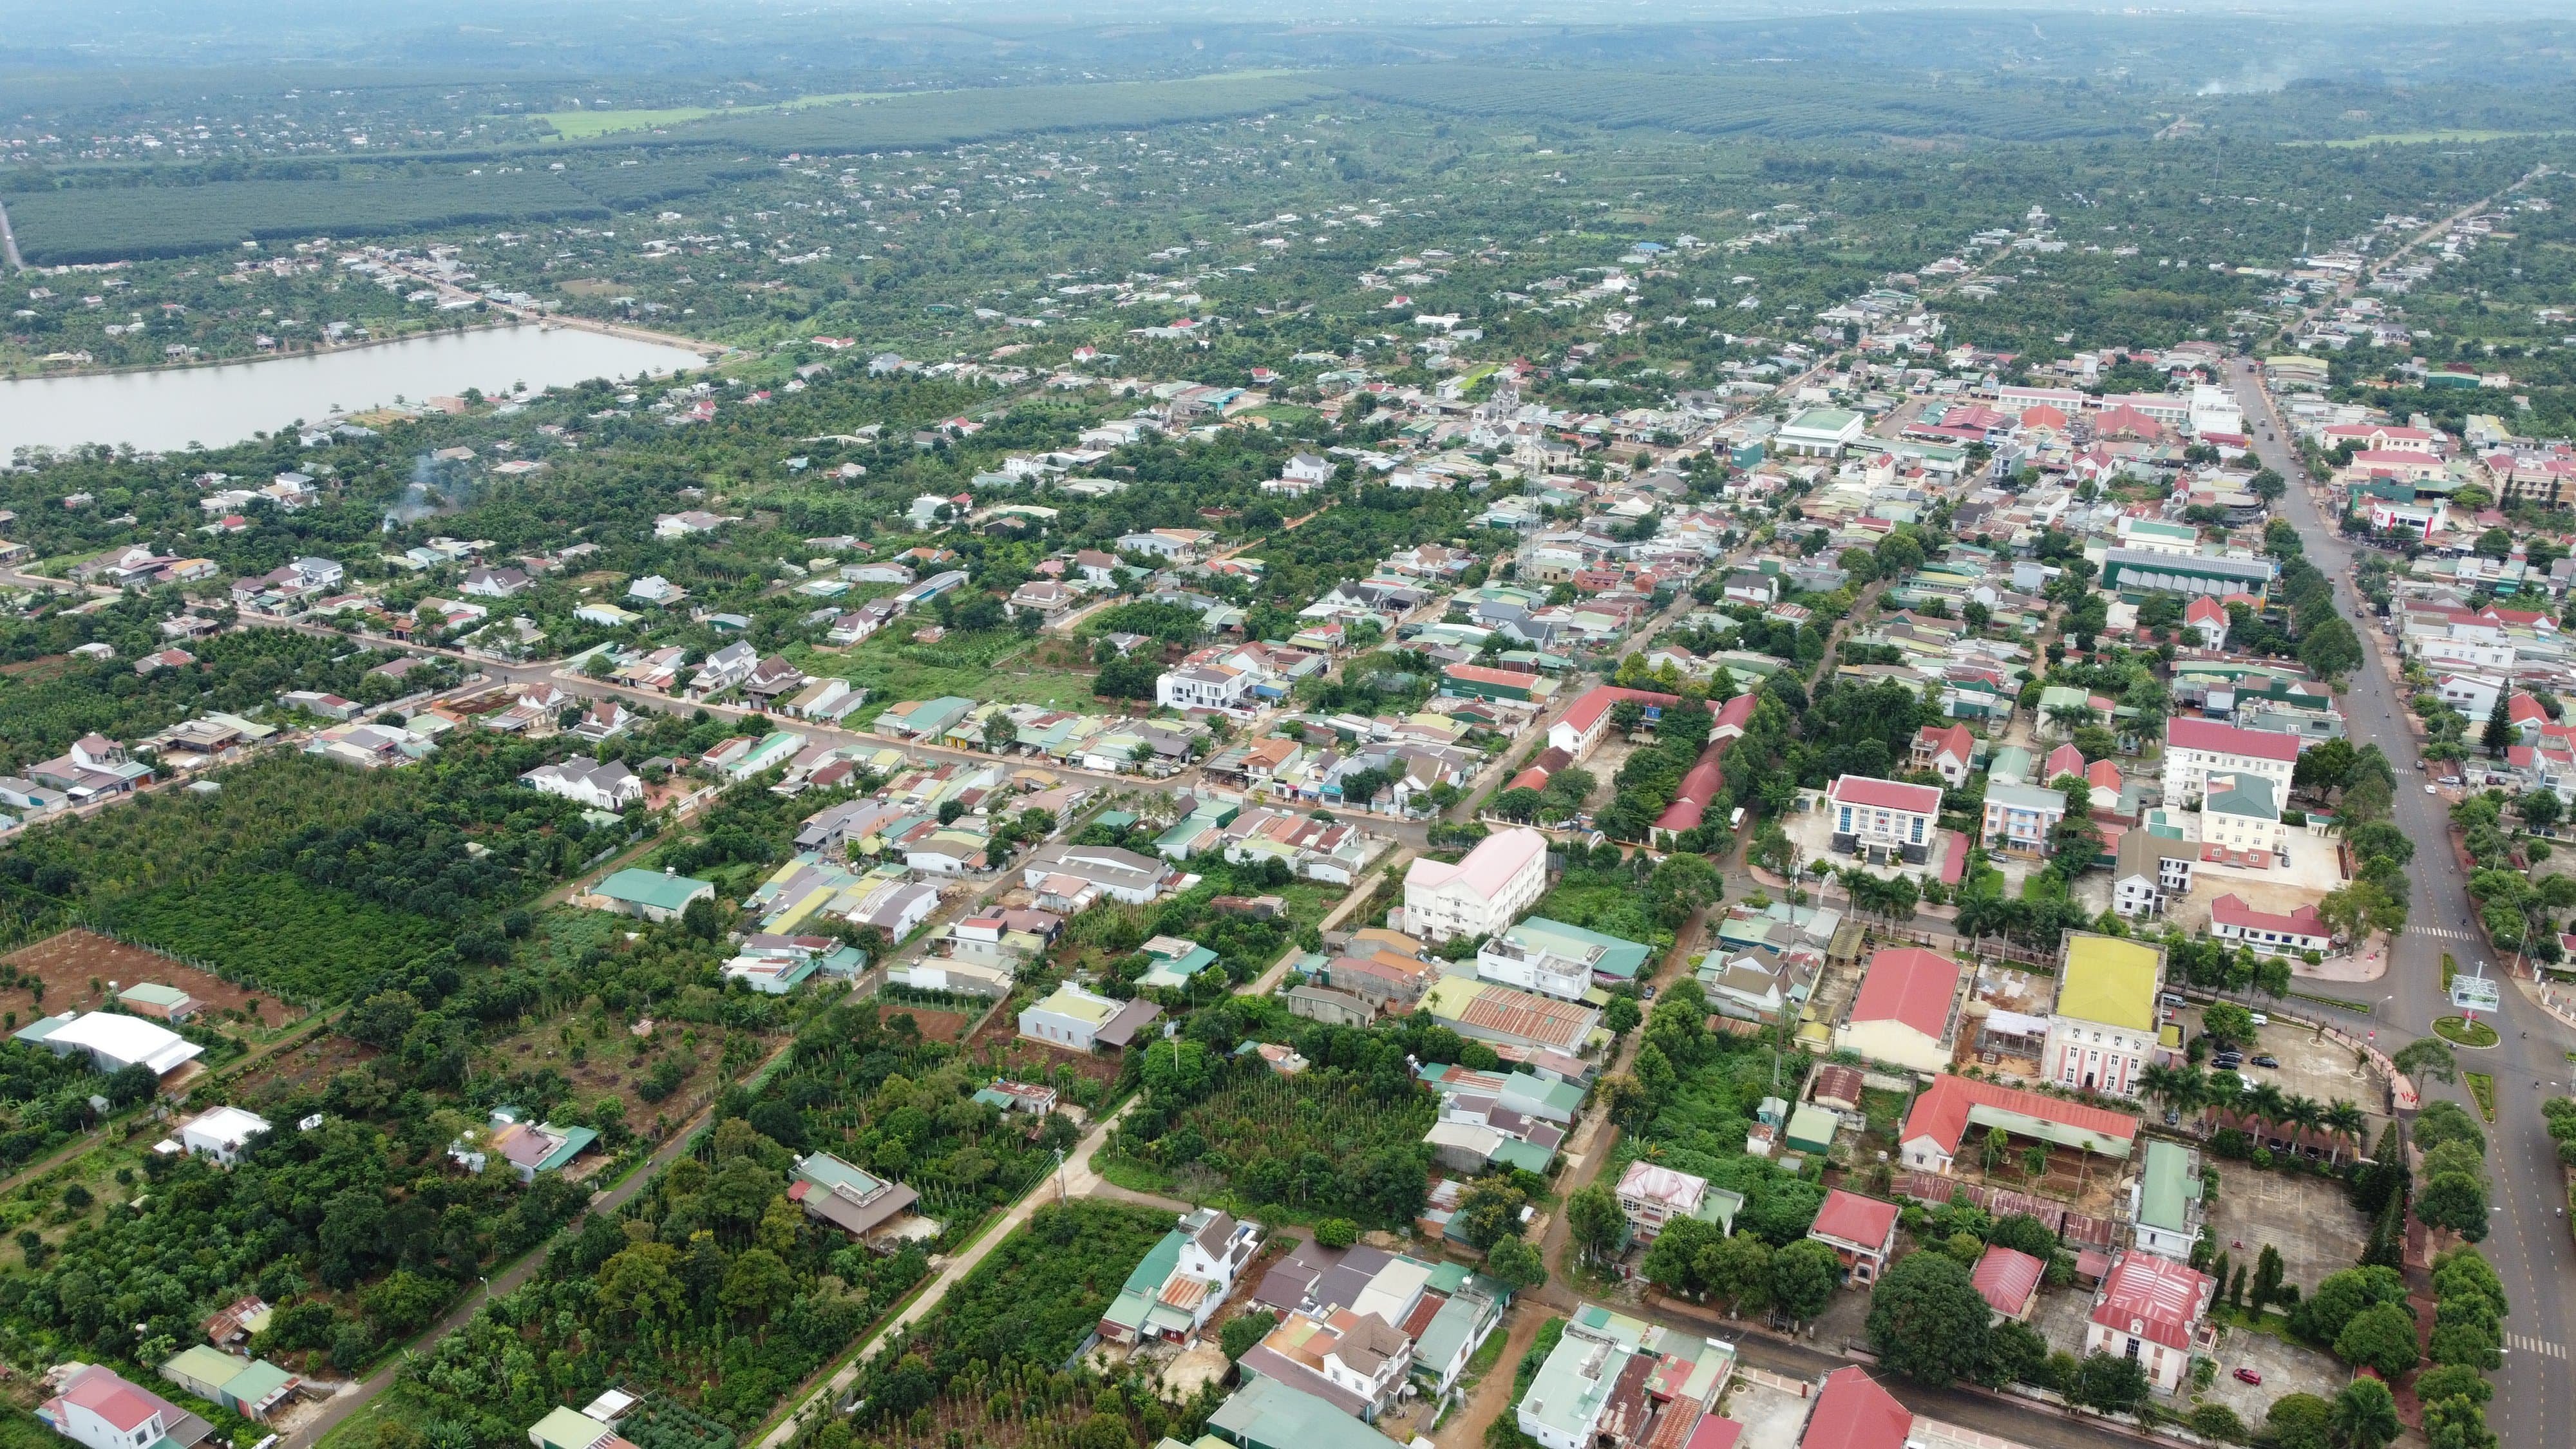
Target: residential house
1561, 960
1949, 753
2022, 819
252, 1388
2152, 872
222, 1133
1182, 1280
2008, 1280
1653, 1195
850, 1198
1905, 1012
601, 785
528, 1147
652, 895
1079, 1021
97, 1409
1860, 1230
2269, 933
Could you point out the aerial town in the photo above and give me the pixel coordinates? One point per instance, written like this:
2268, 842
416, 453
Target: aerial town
1506, 837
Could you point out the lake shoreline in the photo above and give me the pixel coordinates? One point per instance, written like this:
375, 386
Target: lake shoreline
213, 405
710, 351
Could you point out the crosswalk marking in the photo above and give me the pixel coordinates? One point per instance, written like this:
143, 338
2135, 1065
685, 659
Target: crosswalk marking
2444, 932
2533, 1345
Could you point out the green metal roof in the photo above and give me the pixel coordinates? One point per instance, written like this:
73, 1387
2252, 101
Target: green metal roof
1267, 1414
1619, 957
653, 889
2167, 1186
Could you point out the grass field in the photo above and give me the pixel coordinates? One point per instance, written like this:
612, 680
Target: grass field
2423, 138
992, 667
582, 125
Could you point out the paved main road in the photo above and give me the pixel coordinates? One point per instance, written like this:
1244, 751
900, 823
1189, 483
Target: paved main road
2529, 1242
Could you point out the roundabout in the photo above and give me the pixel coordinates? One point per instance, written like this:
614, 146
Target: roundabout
2462, 1032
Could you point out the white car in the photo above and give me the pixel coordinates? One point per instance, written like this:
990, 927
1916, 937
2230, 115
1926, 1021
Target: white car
2431, 789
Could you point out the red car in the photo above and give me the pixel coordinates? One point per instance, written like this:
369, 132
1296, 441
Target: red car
2248, 1376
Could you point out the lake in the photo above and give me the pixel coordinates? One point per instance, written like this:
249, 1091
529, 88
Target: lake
168, 408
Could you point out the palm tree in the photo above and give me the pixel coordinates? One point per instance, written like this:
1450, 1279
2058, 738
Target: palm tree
2265, 1104
2222, 1094
2156, 1083
2305, 1115
2346, 1122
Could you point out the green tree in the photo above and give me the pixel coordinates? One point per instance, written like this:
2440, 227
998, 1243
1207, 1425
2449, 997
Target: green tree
2380, 1337
1593, 1220
2112, 1383
2499, 730
1803, 1278
2300, 1421
2015, 1353
1738, 1270
1490, 1212
1927, 1320
1241, 1332
2454, 1200
1515, 1263
2365, 1415
2427, 1058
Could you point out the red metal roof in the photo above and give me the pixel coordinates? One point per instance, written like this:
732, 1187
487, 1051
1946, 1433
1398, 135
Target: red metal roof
1596, 702
2007, 1277
2227, 739
2153, 1298
1887, 794
1911, 985
1855, 1219
1941, 1113
1853, 1412
1700, 786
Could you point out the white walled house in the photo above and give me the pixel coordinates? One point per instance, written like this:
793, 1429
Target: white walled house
1503, 876
222, 1133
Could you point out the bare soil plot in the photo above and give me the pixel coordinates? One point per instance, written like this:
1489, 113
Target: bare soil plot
68, 963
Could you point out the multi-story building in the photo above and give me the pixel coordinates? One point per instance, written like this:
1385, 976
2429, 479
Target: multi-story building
2196, 749
2103, 1031
1882, 819
1502, 877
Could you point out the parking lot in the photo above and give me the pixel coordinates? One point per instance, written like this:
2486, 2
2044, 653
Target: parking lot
2287, 1368
2308, 1218
2312, 1066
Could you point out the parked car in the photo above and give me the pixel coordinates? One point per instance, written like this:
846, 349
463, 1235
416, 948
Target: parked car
2249, 1376
2267, 1060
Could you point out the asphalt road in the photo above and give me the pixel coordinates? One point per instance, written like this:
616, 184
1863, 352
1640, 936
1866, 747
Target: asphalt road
2529, 1241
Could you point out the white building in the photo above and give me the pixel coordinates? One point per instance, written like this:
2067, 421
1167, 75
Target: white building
1653, 1195
601, 786
1883, 818
1205, 686
1503, 876
100, 1410
2196, 749
114, 1042
224, 1133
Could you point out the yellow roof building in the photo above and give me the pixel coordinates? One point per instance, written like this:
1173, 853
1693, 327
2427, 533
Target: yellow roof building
2110, 980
